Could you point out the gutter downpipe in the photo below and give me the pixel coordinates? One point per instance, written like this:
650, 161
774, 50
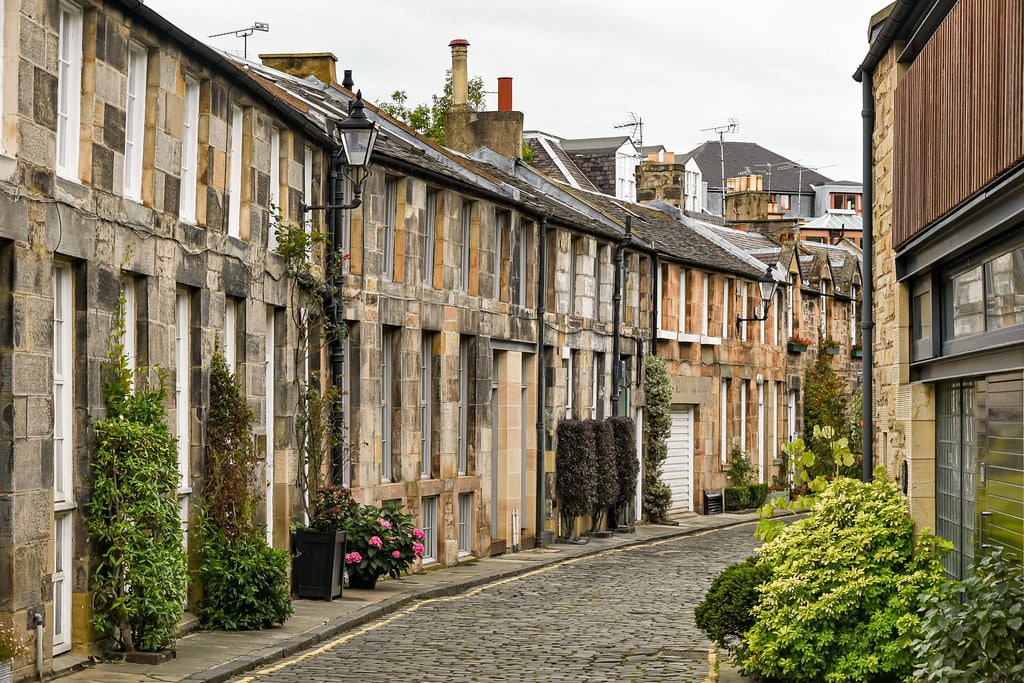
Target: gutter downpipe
335, 285
867, 276
620, 250
542, 436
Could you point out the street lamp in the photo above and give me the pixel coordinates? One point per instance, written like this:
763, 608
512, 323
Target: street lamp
357, 135
768, 285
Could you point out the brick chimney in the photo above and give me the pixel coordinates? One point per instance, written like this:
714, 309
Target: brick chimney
467, 130
304, 64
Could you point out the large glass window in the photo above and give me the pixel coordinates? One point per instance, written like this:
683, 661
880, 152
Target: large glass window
1004, 290
954, 473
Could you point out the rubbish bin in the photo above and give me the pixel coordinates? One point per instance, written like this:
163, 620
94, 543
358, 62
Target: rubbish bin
712, 502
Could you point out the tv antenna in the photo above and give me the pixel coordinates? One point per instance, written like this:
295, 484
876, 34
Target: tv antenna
637, 136
721, 131
244, 34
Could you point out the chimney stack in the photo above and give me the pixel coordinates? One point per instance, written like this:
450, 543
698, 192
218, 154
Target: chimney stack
460, 74
504, 93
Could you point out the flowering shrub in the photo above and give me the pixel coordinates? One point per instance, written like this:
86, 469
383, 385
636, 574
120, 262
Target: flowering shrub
332, 507
800, 340
830, 343
382, 541
10, 644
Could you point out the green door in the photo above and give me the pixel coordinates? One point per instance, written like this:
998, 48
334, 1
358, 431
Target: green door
1001, 462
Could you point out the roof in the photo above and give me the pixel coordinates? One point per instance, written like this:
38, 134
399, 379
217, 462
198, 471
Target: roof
595, 145
836, 220
746, 158
549, 157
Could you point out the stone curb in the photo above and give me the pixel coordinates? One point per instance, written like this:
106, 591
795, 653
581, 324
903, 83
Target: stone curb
314, 637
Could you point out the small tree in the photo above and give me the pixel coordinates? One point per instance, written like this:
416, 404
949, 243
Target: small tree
657, 427
139, 585
245, 582
576, 476
607, 482
429, 119
741, 472
627, 466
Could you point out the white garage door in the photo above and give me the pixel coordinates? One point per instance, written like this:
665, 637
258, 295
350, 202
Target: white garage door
677, 470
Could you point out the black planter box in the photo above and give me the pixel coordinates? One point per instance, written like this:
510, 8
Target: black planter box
317, 558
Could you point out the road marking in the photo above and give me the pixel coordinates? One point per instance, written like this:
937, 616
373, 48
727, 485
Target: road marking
405, 611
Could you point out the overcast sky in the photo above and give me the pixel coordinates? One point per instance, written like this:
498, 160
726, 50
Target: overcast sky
782, 68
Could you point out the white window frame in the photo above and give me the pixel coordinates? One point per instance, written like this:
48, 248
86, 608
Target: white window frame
275, 183
597, 281
824, 312
235, 190
63, 547
465, 524
128, 338
63, 383
189, 152
570, 361
426, 404
69, 90
661, 277
135, 121
743, 416
463, 452
429, 236
682, 300
853, 316
791, 414
467, 233
307, 193
744, 308
387, 377
593, 386
573, 246
791, 295
230, 330
428, 513
725, 309
270, 392
723, 418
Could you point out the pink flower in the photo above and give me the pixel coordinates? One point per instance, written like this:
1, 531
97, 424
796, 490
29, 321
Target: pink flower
417, 549
418, 534
397, 554
384, 523
353, 558
376, 542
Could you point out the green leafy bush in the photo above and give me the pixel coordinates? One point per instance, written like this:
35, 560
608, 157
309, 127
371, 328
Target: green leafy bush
132, 515
245, 582
745, 497
758, 494
657, 426
576, 476
606, 488
973, 630
626, 463
726, 612
842, 603
741, 471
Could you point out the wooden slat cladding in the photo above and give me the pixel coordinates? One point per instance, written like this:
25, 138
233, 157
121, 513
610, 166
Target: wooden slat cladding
959, 113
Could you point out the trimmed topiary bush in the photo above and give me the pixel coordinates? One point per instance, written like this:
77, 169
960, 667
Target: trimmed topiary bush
726, 612
575, 474
657, 427
758, 494
606, 488
973, 630
627, 466
842, 604
736, 498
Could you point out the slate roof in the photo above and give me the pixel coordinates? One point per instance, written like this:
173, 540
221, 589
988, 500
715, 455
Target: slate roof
607, 145
549, 157
836, 220
745, 158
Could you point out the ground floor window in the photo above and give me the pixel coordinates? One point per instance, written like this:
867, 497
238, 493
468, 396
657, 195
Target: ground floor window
955, 445
428, 510
465, 524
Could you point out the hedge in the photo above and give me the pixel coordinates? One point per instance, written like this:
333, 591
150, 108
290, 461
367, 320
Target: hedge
745, 497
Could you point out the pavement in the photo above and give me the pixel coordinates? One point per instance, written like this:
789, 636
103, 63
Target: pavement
215, 656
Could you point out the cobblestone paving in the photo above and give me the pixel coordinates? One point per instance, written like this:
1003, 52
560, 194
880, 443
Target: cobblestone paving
624, 615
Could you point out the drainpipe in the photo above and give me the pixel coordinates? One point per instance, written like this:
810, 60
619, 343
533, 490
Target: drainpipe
868, 274
620, 251
336, 349
542, 441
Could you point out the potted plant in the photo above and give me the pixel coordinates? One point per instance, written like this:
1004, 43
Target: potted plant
830, 346
318, 549
797, 344
857, 351
381, 542
10, 647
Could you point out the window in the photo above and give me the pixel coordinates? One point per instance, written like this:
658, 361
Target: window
517, 269
824, 310
467, 232
780, 315
465, 524
182, 394
705, 324
189, 152
570, 362
743, 415
848, 201
230, 330
723, 418
235, 190
429, 237
725, 311
270, 387
62, 580
682, 300
853, 317
63, 382
426, 404
595, 379
428, 511
790, 306
135, 121
128, 337
599, 261
503, 224
791, 407
307, 193
661, 289
275, 182
390, 223
782, 200
464, 370
69, 90
955, 450
387, 377
744, 292
574, 246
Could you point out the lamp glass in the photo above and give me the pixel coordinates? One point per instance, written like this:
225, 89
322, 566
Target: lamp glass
358, 143
768, 285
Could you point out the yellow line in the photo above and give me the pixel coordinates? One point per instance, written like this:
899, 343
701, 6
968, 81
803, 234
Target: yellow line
341, 640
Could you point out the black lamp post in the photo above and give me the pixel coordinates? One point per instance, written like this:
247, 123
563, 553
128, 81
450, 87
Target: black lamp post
357, 135
768, 286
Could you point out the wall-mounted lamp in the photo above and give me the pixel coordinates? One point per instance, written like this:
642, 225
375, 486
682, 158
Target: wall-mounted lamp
768, 285
357, 135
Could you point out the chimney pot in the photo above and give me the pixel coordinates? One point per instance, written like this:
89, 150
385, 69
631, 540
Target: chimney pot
505, 93
460, 74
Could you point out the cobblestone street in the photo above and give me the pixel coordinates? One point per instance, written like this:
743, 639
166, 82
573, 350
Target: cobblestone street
623, 615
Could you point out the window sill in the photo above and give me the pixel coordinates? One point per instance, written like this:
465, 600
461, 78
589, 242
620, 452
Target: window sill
65, 506
711, 341
688, 338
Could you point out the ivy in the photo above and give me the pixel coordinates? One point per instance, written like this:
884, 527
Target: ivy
657, 497
132, 517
